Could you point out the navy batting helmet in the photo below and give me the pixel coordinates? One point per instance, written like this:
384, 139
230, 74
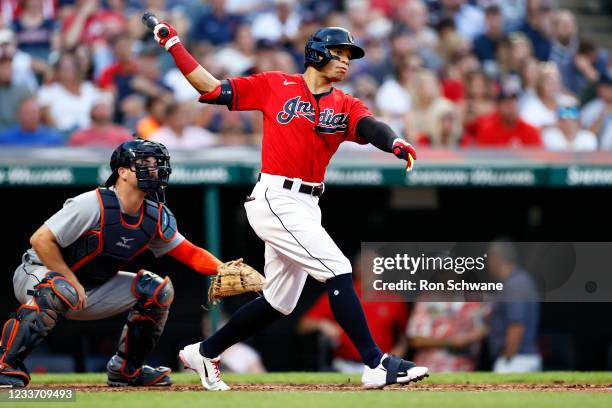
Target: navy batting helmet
128, 155
317, 48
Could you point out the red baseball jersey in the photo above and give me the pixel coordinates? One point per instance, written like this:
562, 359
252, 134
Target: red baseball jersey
300, 134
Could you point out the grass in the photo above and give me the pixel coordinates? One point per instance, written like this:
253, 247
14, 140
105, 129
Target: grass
352, 399
338, 400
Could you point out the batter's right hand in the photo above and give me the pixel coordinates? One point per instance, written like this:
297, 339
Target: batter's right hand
169, 40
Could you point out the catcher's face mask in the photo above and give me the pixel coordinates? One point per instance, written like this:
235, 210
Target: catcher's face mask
151, 163
152, 175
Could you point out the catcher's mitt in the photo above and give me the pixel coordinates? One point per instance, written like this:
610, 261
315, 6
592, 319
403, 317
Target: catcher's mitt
234, 278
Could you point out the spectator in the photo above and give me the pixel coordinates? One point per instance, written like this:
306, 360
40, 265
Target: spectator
462, 62
116, 77
446, 335
589, 64
469, 19
386, 319
485, 45
377, 64
541, 110
515, 314
216, 25
29, 131
67, 101
280, 26
366, 90
528, 76
520, 51
513, 12
238, 57
146, 80
178, 133
426, 97
35, 32
479, 99
11, 94
393, 97
537, 26
24, 66
103, 132
565, 44
505, 128
512, 53
359, 15
567, 135
133, 110
445, 128
156, 108
91, 24
264, 58
597, 114
235, 128
413, 15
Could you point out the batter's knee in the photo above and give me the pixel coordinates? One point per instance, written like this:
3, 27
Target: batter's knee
284, 308
342, 267
155, 290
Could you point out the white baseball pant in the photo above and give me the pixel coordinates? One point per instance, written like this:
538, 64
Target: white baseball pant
297, 245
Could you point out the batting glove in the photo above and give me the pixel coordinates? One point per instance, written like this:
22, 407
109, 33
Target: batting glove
404, 150
168, 40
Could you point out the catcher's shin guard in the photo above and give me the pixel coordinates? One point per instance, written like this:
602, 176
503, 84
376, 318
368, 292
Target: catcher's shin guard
52, 298
145, 324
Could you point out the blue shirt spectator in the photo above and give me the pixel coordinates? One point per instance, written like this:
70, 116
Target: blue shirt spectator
515, 313
539, 12
485, 45
518, 306
41, 136
565, 44
216, 26
589, 65
29, 132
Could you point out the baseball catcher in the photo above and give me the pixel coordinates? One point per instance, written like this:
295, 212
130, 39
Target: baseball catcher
75, 268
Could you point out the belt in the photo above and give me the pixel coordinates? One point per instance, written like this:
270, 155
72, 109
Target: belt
316, 191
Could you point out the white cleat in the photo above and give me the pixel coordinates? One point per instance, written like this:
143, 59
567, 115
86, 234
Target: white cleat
379, 377
207, 368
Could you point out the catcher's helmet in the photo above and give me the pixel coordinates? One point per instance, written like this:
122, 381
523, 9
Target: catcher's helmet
317, 53
127, 154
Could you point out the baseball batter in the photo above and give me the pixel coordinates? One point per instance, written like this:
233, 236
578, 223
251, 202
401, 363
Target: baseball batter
75, 268
305, 120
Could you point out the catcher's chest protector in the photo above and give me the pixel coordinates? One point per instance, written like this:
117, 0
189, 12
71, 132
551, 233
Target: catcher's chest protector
101, 252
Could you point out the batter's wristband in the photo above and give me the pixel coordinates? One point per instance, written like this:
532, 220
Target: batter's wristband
172, 41
183, 59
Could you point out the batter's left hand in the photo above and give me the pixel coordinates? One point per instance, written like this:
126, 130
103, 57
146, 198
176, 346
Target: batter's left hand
404, 150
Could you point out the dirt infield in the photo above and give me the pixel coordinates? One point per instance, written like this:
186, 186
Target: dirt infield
553, 387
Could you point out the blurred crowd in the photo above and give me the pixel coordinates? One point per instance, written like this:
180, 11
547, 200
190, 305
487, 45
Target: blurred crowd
449, 73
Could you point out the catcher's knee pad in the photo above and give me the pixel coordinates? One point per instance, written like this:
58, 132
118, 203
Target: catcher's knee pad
146, 320
52, 298
152, 291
